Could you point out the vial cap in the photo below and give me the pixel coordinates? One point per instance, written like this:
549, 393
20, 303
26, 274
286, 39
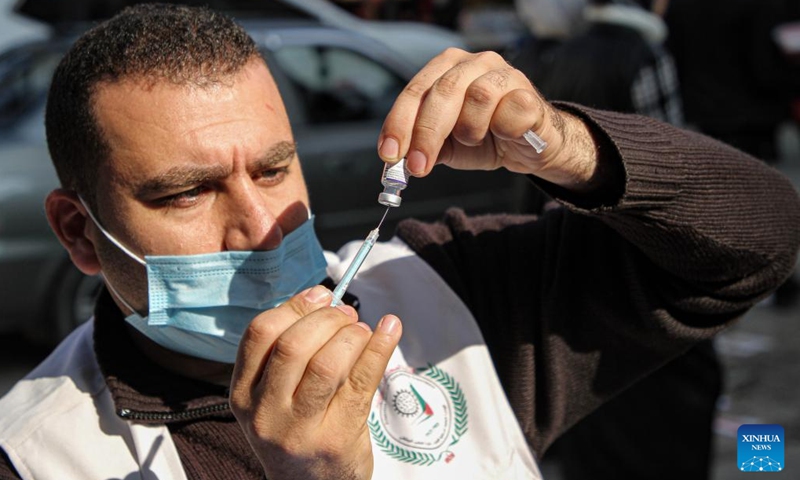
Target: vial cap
389, 199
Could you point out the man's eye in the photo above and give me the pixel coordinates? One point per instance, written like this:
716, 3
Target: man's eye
183, 199
274, 175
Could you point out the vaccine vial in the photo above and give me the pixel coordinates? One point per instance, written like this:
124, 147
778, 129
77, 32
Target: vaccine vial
394, 180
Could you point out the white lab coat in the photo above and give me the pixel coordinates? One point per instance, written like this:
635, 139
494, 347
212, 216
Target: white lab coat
440, 411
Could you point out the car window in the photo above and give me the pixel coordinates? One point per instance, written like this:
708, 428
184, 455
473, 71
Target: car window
335, 84
24, 82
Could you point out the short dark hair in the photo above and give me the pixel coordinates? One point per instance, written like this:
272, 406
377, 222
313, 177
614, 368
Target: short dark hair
148, 42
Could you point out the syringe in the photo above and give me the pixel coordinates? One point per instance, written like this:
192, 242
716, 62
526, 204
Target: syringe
351, 271
395, 179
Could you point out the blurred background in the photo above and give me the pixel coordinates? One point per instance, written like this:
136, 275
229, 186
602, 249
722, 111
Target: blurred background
727, 68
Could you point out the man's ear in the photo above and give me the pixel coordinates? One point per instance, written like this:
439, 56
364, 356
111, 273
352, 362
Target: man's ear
68, 219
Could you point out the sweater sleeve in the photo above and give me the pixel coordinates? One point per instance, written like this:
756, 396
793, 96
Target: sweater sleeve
7, 470
578, 304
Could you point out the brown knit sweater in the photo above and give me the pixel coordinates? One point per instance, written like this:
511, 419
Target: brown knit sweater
575, 305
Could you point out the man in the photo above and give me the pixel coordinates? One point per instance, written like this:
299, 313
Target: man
181, 186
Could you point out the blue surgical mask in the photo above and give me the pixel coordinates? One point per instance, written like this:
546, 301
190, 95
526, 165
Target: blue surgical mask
200, 305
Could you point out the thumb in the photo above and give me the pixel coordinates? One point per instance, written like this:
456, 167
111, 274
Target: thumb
366, 374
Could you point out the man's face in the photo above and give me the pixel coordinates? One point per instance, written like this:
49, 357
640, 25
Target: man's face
194, 170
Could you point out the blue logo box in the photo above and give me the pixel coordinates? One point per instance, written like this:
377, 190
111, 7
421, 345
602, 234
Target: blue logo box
760, 448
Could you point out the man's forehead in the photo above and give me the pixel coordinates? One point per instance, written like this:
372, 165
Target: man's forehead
161, 123
112, 93
123, 106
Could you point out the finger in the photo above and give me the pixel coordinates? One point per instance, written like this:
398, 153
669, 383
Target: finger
442, 108
294, 349
397, 130
481, 101
264, 330
518, 111
355, 396
465, 157
328, 369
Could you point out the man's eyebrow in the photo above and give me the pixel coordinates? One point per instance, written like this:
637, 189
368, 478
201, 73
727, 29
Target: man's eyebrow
279, 153
180, 177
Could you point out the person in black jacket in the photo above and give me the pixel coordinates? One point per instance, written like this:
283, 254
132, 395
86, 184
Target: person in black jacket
617, 61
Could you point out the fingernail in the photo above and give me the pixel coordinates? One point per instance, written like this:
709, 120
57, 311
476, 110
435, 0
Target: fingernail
364, 326
388, 324
416, 161
317, 294
389, 149
350, 311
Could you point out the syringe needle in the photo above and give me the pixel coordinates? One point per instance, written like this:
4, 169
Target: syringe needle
361, 255
390, 201
383, 218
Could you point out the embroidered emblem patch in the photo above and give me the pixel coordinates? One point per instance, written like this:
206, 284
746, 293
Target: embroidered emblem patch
420, 416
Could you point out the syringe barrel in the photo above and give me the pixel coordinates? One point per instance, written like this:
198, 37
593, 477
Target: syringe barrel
394, 179
352, 269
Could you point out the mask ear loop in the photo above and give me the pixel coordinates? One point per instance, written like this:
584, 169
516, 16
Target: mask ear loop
121, 247
116, 294
111, 237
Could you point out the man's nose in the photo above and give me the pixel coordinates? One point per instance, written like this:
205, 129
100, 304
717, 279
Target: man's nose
250, 224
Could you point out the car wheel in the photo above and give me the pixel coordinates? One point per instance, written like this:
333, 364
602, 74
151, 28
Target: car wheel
73, 295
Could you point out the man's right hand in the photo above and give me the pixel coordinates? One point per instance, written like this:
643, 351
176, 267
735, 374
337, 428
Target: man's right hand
303, 384
470, 110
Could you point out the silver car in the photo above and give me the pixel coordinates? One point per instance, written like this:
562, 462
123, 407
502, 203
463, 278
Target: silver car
338, 86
